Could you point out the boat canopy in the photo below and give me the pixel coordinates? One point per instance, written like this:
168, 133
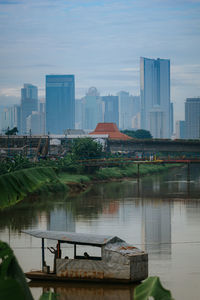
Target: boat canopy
74, 238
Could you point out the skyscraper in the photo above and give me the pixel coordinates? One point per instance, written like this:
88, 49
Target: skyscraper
60, 103
155, 96
29, 103
111, 112
192, 118
92, 105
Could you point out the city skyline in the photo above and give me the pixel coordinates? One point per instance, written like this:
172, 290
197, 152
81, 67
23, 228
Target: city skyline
100, 43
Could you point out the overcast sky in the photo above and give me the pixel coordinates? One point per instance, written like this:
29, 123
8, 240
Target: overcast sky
100, 42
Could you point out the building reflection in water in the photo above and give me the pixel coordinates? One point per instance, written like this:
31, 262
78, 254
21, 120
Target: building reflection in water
156, 226
61, 220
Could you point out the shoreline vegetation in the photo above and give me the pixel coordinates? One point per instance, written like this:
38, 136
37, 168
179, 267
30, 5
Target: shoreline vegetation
18, 185
22, 177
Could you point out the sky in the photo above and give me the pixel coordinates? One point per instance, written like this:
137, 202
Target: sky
100, 42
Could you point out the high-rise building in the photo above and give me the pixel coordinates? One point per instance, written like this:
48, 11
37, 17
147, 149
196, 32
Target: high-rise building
124, 110
35, 123
180, 130
171, 116
129, 107
111, 109
93, 110
155, 96
192, 118
60, 103
79, 111
29, 103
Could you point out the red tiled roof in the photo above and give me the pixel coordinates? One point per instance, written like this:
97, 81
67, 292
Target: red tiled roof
110, 129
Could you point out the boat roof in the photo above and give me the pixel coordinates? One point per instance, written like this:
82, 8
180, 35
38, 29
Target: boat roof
73, 237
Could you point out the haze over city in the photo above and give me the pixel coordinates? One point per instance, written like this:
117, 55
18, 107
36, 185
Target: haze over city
101, 43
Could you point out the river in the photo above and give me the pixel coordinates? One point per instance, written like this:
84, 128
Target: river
159, 213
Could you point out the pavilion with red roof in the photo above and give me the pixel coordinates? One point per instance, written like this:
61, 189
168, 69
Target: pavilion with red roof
112, 131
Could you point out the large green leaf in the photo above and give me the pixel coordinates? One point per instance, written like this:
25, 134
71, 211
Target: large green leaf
16, 185
12, 279
152, 287
10, 289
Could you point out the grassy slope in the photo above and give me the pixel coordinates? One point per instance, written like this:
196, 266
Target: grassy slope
16, 185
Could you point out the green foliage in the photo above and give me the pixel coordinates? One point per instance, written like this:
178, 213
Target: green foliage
12, 280
16, 185
66, 177
130, 171
151, 287
138, 134
15, 163
86, 148
13, 283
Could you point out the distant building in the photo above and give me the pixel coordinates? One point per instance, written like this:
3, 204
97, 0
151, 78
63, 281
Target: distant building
111, 109
155, 96
192, 118
125, 113
60, 103
180, 130
79, 111
171, 116
35, 123
29, 103
4, 120
93, 110
129, 107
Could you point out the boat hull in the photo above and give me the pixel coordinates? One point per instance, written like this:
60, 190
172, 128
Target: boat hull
42, 276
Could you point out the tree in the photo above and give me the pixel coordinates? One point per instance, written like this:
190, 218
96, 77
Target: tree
12, 131
138, 134
86, 148
143, 134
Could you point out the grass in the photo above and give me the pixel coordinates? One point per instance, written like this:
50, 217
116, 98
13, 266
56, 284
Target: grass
77, 178
130, 171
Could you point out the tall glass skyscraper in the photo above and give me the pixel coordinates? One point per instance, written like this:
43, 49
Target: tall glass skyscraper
29, 103
155, 96
60, 103
192, 118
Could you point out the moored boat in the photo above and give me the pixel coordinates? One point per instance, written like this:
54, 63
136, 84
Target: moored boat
118, 262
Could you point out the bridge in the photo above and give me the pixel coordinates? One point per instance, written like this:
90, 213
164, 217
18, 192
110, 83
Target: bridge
44, 145
155, 146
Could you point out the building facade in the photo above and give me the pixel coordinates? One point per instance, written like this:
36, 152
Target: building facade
60, 103
192, 118
155, 96
29, 103
111, 109
180, 129
93, 109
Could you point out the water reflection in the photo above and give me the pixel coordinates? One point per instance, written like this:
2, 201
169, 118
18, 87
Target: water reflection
86, 291
156, 224
159, 213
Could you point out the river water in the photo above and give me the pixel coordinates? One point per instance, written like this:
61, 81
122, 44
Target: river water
159, 213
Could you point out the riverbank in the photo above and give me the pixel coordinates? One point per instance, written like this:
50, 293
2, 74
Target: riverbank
112, 174
15, 186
